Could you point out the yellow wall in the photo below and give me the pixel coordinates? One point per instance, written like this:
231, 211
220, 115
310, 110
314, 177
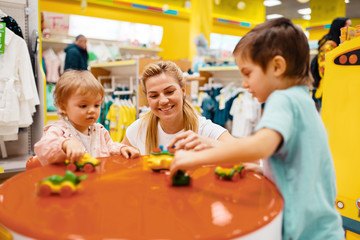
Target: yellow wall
175, 42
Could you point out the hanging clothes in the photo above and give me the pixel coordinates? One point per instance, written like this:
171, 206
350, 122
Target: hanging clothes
12, 25
246, 112
18, 93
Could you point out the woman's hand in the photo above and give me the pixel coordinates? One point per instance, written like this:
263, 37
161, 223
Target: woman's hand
129, 152
189, 140
73, 149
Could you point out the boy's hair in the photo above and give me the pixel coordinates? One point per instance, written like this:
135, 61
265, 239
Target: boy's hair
190, 114
71, 81
278, 37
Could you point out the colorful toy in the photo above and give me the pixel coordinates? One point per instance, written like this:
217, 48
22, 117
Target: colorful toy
341, 116
160, 159
86, 164
65, 186
228, 173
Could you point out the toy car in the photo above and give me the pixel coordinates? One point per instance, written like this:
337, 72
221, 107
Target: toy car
160, 159
180, 179
87, 164
228, 173
64, 185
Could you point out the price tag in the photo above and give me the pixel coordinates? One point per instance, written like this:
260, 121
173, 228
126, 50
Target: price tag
2, 37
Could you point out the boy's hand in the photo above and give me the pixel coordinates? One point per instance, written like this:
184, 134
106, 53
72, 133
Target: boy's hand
183, 160
189, 140
253, 167
73, 150
129, 152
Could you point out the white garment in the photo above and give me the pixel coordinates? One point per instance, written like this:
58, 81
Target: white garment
137, 135
18, 94
246, 112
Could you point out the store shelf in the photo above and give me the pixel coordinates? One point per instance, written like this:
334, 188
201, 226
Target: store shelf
218, 68
14, 163
113, 64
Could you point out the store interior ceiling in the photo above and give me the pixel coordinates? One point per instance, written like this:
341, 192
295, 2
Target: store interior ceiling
289, 8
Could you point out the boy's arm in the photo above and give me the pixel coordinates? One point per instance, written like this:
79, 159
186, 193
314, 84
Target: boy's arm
260, 145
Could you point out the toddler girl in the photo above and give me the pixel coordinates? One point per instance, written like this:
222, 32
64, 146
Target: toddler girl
78, 96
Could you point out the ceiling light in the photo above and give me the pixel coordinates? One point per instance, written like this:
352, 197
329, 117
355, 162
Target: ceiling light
304, 11
302, 1
306, 17
241, 5
272, 16
271, 3
347, 1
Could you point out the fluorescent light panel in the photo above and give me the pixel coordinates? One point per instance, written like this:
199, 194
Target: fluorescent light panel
272, 16
271, 3
304, 11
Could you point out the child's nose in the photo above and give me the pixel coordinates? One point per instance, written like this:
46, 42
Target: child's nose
245, 84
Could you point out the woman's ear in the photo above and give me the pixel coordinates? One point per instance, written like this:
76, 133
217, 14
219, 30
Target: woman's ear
279, 65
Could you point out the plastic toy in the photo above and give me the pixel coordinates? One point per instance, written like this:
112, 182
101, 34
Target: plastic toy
228, 173
160, 159
86, 164
180, 179
65, 186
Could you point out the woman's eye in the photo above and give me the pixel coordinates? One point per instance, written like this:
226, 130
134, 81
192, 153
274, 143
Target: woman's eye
153, 96
170, 92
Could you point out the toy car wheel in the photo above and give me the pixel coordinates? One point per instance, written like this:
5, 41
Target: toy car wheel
66, 191
44, 190
242, 173
72, 167
88, 168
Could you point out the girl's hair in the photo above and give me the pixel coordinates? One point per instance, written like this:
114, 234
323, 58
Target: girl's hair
278, 37
71, 81
190, 114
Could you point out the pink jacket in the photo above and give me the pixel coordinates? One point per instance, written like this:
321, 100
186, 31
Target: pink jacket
49, 148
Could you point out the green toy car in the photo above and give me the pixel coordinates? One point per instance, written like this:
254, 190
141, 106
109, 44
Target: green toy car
228, 173
86, 164
65, 185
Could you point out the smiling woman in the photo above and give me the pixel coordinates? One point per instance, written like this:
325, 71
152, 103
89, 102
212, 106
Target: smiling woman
172, 119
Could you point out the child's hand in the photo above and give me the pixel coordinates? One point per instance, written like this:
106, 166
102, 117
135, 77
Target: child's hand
189, 140
253, 167
73, 150
183, 160
129, 152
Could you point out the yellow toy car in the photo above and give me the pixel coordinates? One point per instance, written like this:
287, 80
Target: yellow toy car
86, 164
160, 159
65, 186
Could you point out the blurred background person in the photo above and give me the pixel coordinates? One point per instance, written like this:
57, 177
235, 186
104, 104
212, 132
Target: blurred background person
76, 54
327, 43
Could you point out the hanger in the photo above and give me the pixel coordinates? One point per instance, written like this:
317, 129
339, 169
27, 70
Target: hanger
2, 14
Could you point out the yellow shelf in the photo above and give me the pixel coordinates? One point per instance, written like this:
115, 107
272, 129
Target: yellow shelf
218, 68
142, 48
113, 64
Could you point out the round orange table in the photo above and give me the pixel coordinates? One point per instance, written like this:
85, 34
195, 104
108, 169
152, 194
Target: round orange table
123, 201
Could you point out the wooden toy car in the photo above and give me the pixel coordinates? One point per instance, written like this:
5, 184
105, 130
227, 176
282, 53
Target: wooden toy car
86, 164
228, 173
64, 185
160, 159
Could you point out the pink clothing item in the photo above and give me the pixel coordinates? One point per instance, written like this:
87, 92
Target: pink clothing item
49, 148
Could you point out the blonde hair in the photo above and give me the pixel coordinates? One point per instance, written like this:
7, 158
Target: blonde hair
191, 121
72, 81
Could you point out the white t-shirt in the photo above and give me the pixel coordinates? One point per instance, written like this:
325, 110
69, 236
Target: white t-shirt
137, 136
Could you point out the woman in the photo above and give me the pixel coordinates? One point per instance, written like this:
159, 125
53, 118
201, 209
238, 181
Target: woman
326, 44
172, 120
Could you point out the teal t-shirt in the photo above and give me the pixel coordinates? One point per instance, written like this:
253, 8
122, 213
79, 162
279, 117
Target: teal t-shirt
302, 167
